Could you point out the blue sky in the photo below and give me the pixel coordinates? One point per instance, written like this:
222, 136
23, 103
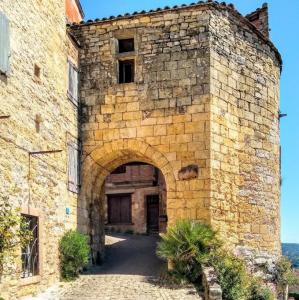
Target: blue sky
284, 23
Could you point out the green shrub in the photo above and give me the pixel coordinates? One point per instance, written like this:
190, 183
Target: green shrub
188, 246
14, 233
232, 275
284, 274
74, 252
257, 291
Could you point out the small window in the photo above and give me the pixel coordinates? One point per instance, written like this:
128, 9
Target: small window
119, 209
30, 253
73, 83
126, 71
120, 170
36, 71
74, 166
126, 45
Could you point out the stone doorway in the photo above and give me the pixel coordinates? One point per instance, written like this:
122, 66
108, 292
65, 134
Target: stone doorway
110, 161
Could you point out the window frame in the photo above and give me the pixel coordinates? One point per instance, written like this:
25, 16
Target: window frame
126, 39
120, 56
36, 242
131, 62
26, 209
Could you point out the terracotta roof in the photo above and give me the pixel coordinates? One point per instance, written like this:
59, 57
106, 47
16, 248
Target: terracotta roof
209, 3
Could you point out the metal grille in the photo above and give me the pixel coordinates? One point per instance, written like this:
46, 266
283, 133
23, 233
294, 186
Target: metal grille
30, 255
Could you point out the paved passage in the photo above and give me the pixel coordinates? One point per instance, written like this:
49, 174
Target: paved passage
131, 271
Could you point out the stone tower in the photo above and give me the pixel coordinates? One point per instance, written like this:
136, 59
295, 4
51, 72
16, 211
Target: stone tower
193, 90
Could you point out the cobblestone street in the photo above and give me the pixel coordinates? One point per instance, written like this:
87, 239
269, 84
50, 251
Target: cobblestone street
131, 271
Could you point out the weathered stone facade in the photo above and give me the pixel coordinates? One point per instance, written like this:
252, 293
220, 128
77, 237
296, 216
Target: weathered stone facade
206, 93
40, 118
203, 109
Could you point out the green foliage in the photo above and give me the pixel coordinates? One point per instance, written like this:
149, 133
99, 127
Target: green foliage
284, 275
14, 232
232, 275
188, 245
257, 291
74, 252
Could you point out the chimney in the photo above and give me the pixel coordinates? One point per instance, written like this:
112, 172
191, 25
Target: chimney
74, 11
259, 18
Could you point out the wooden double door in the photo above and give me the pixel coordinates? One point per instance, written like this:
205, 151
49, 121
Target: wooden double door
152, 202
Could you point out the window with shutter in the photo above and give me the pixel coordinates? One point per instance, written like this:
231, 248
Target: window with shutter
4, 44
73, 83
74, 166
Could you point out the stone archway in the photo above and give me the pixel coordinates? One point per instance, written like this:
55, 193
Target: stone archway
96, 166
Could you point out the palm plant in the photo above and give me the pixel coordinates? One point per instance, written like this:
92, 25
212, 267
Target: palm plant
188, 245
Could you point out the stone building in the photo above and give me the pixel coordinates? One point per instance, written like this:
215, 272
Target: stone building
194, 91
38, 133
191, 90
135, 199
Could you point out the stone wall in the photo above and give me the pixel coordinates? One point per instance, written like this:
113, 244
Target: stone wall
162, 118
205, 97
41, 119
245, 142
203, 109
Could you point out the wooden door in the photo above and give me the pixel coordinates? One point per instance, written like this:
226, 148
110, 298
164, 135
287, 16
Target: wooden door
119, 209
152, 213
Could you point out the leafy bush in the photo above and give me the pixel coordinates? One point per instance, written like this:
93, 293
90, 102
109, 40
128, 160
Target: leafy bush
14, 232
74, 252
259, 292
284, 274
188, 246
232, 275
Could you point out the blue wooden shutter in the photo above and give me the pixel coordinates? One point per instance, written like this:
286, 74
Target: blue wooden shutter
4, 44
73, 83
74, 166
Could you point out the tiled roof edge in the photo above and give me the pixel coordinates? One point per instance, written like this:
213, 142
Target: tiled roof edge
208, 3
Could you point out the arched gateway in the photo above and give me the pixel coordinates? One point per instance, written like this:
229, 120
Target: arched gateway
97, 165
